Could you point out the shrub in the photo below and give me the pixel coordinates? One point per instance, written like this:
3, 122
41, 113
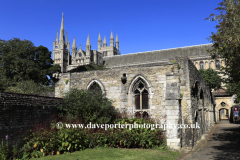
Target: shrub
90, 106
4, 151
48, 140
10, 152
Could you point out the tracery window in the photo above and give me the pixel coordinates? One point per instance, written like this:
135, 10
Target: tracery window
201, 65
141, 95
95, 88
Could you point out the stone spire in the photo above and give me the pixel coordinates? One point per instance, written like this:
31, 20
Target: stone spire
74, 43
104, 42
88, 41
99, 37
117, 42
66, 38
116, 39
88, 47
61, 36
74, 47
62, 23
99, 41
57, 37
111, 37
111, 40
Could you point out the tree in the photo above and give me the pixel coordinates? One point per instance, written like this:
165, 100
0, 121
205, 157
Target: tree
226, 42
3, 86
20, 60
212, 78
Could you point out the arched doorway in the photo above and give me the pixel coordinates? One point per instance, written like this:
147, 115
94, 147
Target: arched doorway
223, 114
223, 111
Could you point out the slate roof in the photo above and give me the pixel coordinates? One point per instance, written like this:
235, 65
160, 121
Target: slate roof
155, 56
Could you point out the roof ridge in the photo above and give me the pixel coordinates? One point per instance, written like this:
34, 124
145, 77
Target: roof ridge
159, 50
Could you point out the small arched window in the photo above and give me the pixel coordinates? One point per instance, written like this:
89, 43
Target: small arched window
80, 55
201, 65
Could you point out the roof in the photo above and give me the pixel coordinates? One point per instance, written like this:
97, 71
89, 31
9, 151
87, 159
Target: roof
156, 56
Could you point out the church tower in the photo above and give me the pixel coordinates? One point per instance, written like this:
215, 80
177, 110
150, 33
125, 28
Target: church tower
61, 49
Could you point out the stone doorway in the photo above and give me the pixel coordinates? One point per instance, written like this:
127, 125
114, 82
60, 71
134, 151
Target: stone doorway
223, 114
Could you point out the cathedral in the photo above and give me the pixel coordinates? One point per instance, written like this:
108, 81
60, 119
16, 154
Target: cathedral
163, 84
61, 51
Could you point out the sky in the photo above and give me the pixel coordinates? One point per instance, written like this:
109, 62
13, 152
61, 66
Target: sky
141, 25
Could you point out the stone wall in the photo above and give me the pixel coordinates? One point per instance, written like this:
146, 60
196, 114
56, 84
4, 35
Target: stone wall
197, 103
119, 93
19, 112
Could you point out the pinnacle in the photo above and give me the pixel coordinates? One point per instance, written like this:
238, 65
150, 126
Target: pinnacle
116, 38
57, 37
104, 41
88, 41
74, 43
62, 23
111, 35
66, 38
99, 37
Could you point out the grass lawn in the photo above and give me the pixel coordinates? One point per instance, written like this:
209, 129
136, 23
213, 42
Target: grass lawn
116, 154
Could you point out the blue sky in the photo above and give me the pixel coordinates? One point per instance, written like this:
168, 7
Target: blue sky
141, 25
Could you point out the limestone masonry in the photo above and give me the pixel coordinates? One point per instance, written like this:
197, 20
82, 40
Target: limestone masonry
164, 84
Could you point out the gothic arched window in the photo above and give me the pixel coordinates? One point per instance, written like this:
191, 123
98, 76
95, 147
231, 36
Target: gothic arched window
141, 95
95, 87
201, 65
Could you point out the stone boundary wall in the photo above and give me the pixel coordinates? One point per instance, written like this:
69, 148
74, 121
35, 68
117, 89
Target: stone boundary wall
18, 112
199, 107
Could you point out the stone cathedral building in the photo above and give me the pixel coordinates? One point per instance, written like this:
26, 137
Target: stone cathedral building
164, 84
